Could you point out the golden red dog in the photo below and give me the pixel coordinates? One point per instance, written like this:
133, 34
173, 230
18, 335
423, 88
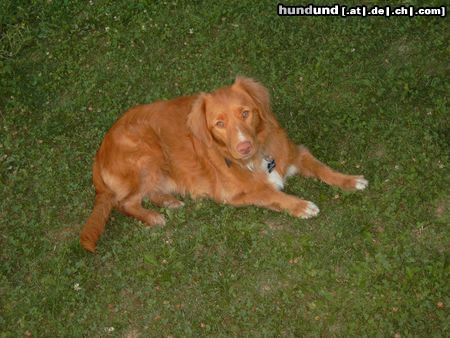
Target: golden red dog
225, 145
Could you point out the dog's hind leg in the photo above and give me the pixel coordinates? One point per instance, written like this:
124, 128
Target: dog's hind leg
132, 206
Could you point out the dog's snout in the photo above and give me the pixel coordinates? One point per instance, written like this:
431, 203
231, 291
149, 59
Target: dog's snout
244, 148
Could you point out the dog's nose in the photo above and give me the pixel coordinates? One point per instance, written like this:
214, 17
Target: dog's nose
244, 148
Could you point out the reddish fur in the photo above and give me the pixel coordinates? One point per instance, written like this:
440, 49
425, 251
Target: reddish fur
174, 147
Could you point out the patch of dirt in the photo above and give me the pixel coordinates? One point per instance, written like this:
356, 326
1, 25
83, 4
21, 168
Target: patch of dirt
442, 208
132, 333
64, 233
275, 224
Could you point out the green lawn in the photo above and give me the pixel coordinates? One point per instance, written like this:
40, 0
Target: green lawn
366, 95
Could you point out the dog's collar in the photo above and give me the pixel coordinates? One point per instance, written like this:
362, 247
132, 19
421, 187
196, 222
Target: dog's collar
268, 162
228, 162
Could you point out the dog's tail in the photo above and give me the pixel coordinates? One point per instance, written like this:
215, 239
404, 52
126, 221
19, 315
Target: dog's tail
95, 225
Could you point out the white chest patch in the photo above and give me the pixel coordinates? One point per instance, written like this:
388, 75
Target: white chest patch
275, 179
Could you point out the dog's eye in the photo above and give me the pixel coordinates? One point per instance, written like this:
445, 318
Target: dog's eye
220, 124
245, 114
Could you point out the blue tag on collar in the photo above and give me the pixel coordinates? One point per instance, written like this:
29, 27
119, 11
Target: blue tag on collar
270, 163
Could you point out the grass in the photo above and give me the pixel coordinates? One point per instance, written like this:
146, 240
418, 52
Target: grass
367, 95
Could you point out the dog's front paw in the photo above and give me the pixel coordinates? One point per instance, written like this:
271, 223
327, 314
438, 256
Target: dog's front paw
311, 210
361, 183
305, 210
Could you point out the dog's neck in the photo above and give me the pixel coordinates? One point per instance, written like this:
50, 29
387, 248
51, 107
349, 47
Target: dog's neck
230, 160
260, 160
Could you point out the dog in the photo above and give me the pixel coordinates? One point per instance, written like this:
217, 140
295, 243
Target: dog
225, 145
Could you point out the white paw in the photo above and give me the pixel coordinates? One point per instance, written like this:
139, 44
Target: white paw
311, 210
361, 183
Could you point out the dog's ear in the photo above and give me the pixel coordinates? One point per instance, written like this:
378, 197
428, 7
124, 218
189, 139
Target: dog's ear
196, 120
259, 94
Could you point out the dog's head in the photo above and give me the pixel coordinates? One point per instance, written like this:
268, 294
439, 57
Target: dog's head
235, 119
